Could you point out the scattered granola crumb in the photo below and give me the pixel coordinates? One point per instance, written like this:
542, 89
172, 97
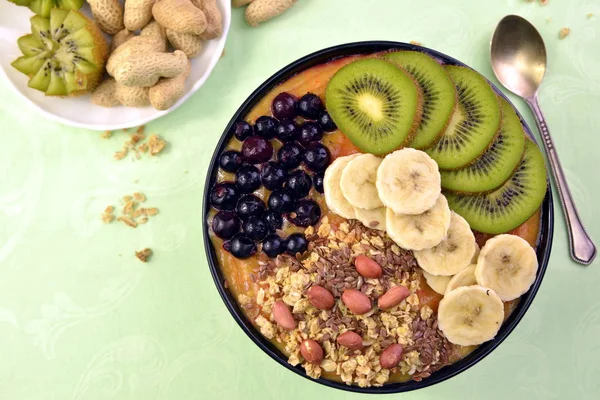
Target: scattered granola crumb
127, 221
543, 2
127, 198
415, 43
143, 220
106, 134
109, 209
140, 130
119, 155
156, 144
143, 148
563, 33
151, 211
589, 15
107, 218
139, 197
143, 255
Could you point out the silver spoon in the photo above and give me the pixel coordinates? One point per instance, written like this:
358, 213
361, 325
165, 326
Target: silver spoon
519, 62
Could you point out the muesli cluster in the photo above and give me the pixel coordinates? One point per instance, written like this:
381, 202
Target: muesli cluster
320, 334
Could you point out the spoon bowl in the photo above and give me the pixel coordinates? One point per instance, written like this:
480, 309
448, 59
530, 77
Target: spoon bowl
518, 56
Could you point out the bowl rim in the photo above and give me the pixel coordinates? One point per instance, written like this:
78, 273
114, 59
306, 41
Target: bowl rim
544, 237
226, 12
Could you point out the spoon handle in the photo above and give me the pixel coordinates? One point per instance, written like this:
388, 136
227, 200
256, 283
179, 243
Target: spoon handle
582, 248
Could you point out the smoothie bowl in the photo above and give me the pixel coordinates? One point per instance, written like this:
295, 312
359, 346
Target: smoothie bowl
377, 217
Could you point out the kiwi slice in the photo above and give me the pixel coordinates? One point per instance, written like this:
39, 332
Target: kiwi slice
63, 55
439, 94
474, 123
43, 7
375, 103
511, 204
496, 164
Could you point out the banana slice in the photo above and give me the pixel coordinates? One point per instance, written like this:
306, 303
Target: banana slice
408, 181
374, 219
358, 182
437, 283
452, 254
508, 265
470, 315
331, 187
466, 277
418, 232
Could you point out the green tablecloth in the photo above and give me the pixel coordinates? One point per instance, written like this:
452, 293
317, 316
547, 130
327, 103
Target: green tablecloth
82, 318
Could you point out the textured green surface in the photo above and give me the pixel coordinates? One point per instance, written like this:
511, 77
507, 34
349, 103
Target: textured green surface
81, 318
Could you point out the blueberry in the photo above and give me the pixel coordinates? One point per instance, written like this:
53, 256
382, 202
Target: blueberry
225, 224
247, 179
230, 161
316, 157
249, 206
284, 106
256, 228
287, 130
257, 150
273, 220
296, 243
241, 246
310, 106
281, 201
266, 127
305, 213
273, 175
242, 130
318, 181
310, 132
290, 155
326, 122
224, 196
273, 246
299, 182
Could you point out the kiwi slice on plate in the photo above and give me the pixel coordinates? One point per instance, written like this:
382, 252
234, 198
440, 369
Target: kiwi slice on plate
439, 94
474, 123
63, 55
43, 7
511, 204
496, 164
375, 103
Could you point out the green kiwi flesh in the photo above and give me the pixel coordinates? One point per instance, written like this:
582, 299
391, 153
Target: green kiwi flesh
496, 164
439, 94
44, 7
375, 104
474, 123
64, 54
507, 207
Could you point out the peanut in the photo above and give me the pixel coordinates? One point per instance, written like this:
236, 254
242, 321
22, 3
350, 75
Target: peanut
108, 14
391, 356
320, 297
137, 44
145, 69
311, 351
351, 340
356, 301
180, 16
137, 13
105, 94
132, 96
240, 3
154, 30
283, 316
214, 19
189, 43
393, 297
167, 91
367, 267
120, 37
260, 11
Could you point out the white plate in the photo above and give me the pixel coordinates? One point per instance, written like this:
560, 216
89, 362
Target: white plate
79, 111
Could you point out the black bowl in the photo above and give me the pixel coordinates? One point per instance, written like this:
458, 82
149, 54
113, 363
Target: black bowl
319, 57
